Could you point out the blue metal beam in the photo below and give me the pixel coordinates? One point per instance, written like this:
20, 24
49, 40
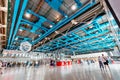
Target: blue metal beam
97, 47
25, 38
103, 25
64, 21
34, 25
35, 32
19, 18
79, 4
76, 41
55, 4
16, 7
66, 44
41, 17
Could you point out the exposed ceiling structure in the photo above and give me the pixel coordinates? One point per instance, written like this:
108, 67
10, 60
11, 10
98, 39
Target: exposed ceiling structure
3, 22
81, 26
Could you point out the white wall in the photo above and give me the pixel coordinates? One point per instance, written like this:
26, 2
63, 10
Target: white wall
115, 4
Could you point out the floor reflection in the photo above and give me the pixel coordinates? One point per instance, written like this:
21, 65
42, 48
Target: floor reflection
74, 72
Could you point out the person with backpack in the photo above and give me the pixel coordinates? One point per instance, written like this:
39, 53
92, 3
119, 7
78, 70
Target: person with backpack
105, 61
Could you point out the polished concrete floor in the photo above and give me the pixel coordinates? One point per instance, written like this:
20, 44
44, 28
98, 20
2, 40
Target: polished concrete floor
74, 72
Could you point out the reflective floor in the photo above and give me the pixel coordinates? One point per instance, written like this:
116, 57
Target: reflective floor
74, 72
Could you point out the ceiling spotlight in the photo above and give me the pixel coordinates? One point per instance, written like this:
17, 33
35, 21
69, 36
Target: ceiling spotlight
56, 32
46, 38
74, 7
57, 17
28, 24
91, 27
27, 15
74, 22
20, 30
39, 35
51, 26
16, 38
66, 16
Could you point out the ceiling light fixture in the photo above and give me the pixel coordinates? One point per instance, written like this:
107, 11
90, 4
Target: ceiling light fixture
20, 30
16, 38
74, 7
91, 27
39, 35
46, 38
28, 24
66, 16
57, 17
57, 32
74, 22
27, 15
51, 26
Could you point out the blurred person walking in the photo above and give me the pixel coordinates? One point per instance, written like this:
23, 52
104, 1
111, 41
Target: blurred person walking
101, 65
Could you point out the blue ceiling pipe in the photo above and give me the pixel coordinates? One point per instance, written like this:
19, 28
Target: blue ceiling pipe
103, 25
34, 25
96, 47
79, 4
64, 21
35, 32
65, 44
85, 45
35, 28
19, 19
55, 4
40, 21
95, 50
41, 17
24, 37
81, 39
61, 45
91, 42
16, 7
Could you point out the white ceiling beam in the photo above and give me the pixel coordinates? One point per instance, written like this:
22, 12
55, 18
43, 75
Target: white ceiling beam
2, 34
3, 9
2, 26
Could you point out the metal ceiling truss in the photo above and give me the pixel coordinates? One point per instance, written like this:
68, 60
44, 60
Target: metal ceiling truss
38, 25
96, 38
64, 21
91, 36
16, 8
3, 23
